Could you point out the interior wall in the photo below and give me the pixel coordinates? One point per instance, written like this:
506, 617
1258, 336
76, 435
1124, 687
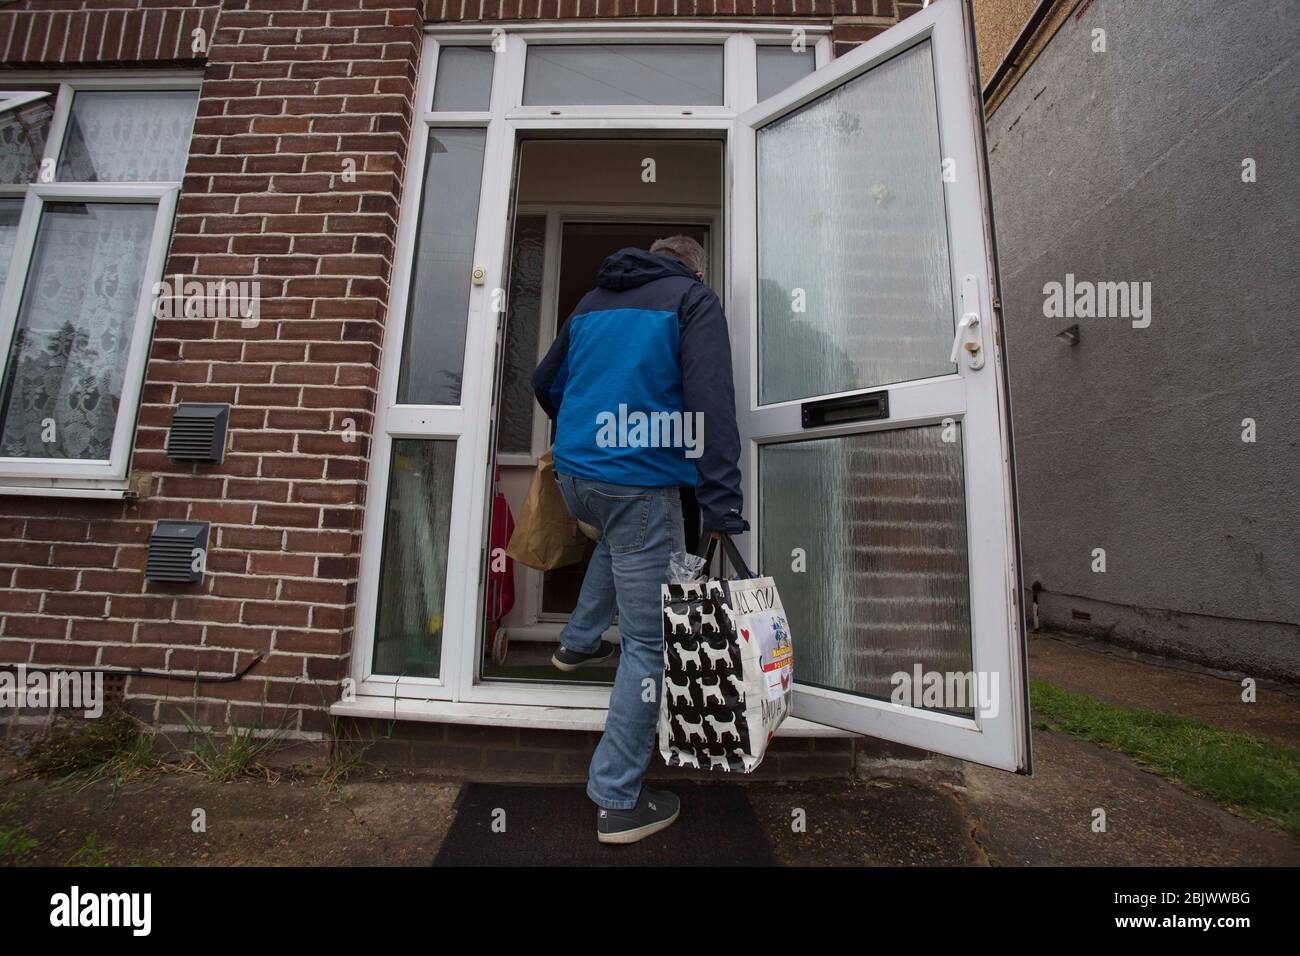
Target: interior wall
614, 172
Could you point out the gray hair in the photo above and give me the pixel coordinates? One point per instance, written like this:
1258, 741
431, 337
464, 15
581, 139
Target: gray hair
684, 248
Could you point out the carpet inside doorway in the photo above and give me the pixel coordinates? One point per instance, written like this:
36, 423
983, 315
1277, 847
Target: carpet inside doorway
555, 825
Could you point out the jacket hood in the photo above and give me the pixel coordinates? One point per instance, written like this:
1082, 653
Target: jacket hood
629, 268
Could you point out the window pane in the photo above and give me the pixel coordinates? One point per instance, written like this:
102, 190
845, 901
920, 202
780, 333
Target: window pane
854, 281
413, 572
10, 211
685, 74
22, 140
63, 380
128, 136
433, 352
886, 585
523, 320
464, 80
779, 66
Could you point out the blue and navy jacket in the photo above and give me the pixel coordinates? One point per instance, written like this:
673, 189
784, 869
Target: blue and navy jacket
650, 338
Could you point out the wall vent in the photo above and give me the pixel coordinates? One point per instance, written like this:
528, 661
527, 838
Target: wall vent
198, 433
178, 552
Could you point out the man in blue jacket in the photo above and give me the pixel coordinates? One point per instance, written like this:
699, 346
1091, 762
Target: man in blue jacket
639, 382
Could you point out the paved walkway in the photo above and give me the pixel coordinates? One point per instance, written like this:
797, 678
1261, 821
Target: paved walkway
943, 813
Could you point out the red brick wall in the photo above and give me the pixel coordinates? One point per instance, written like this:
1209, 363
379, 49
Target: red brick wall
292, 88
853, 21
290, 91
592, 9
53, 33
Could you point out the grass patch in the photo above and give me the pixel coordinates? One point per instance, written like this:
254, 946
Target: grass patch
15, 843
114, 746
1258, 776
236, 753
90, 853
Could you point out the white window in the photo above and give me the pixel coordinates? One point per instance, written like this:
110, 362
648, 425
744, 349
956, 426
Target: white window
89, 173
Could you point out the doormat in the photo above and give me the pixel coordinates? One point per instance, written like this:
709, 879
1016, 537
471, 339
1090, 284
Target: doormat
555, 825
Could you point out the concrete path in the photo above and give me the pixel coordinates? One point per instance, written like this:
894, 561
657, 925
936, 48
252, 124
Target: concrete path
939, 813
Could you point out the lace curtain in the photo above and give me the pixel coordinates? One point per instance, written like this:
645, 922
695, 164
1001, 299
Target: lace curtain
68, 357
128, 137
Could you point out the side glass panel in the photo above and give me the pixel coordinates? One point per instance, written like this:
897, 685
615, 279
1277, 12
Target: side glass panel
128, 136
854, 293
413, 572
779, 66
433, 351
464, 80
67, 361
523, 325
886, 583
623, 75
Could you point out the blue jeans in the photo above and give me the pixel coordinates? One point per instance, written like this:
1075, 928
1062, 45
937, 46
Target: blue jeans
640, 528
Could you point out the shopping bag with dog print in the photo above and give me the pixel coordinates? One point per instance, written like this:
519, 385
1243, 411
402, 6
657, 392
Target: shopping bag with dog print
728, 669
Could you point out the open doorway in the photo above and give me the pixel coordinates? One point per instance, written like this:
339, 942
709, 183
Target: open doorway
576, 202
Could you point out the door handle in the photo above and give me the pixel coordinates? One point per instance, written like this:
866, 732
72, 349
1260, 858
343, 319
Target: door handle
969, 337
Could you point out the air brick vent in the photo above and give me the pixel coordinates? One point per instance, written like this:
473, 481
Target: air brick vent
198, 433
173, 549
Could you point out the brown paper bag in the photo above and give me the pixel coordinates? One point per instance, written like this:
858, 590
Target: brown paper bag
546, 536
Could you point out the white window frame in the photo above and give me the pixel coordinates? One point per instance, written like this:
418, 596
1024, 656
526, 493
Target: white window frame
71, 477
469, 423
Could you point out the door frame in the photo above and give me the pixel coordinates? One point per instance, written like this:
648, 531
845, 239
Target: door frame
557, 216
471, 688
470, 423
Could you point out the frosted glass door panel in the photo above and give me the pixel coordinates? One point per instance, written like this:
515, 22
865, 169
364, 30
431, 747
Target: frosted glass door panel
523, 325
880, 519
854, 284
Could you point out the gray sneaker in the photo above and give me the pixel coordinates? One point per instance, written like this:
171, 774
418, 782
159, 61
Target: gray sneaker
655, 810
569, 660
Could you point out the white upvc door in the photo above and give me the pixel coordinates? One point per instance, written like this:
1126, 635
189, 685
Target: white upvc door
872, 396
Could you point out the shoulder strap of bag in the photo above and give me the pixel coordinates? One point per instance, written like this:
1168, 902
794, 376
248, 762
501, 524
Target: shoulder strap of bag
730, 553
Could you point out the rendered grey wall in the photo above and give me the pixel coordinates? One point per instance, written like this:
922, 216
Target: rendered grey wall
1126, 166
